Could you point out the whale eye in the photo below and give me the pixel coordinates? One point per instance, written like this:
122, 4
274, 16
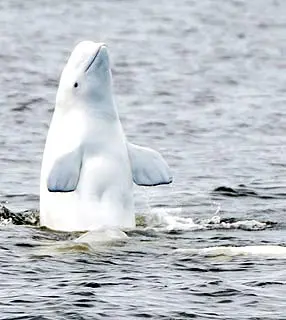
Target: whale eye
75, 85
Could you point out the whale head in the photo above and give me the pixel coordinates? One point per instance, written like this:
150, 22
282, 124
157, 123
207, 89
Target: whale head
86, 77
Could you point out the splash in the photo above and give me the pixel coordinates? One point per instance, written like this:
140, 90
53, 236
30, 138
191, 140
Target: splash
158, 219
162, 219
171, 219
216, 222
27, 217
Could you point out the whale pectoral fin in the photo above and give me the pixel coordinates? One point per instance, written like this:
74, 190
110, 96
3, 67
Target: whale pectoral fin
148, 166
65, 172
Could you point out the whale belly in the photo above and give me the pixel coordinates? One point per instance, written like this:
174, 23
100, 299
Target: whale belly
103, 198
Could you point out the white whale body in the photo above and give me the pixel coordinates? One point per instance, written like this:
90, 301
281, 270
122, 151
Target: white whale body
259, 250
88, 166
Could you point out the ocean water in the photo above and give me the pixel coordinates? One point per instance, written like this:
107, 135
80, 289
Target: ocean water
204, 83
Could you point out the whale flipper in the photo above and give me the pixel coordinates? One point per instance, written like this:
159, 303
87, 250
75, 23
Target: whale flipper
65, 172
148, 166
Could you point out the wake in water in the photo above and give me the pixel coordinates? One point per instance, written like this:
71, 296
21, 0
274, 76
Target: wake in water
171, 220
160, 219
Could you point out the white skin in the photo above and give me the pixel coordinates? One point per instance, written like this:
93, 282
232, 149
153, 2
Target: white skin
86, 178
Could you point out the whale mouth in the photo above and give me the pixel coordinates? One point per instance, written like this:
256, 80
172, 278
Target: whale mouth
95, 56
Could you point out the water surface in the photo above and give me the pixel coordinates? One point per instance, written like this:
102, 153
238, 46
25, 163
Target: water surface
204, 83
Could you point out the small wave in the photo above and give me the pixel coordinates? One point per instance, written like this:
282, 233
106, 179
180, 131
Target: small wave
91, 241
217, 222
27, 217
158, 219
26, 105
243, 191
169, 220
240, 191
262, 251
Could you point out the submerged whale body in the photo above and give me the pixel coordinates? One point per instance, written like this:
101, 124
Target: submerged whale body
89, 167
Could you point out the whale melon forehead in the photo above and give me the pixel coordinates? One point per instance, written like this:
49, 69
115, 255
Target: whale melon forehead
83, 52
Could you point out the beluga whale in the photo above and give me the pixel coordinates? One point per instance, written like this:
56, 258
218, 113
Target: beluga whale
89, 168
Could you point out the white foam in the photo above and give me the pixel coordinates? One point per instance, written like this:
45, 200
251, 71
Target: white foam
5, 222
170, 219
162, 219
216, 222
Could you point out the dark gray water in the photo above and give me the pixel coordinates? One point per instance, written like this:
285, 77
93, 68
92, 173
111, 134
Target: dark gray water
203, 82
